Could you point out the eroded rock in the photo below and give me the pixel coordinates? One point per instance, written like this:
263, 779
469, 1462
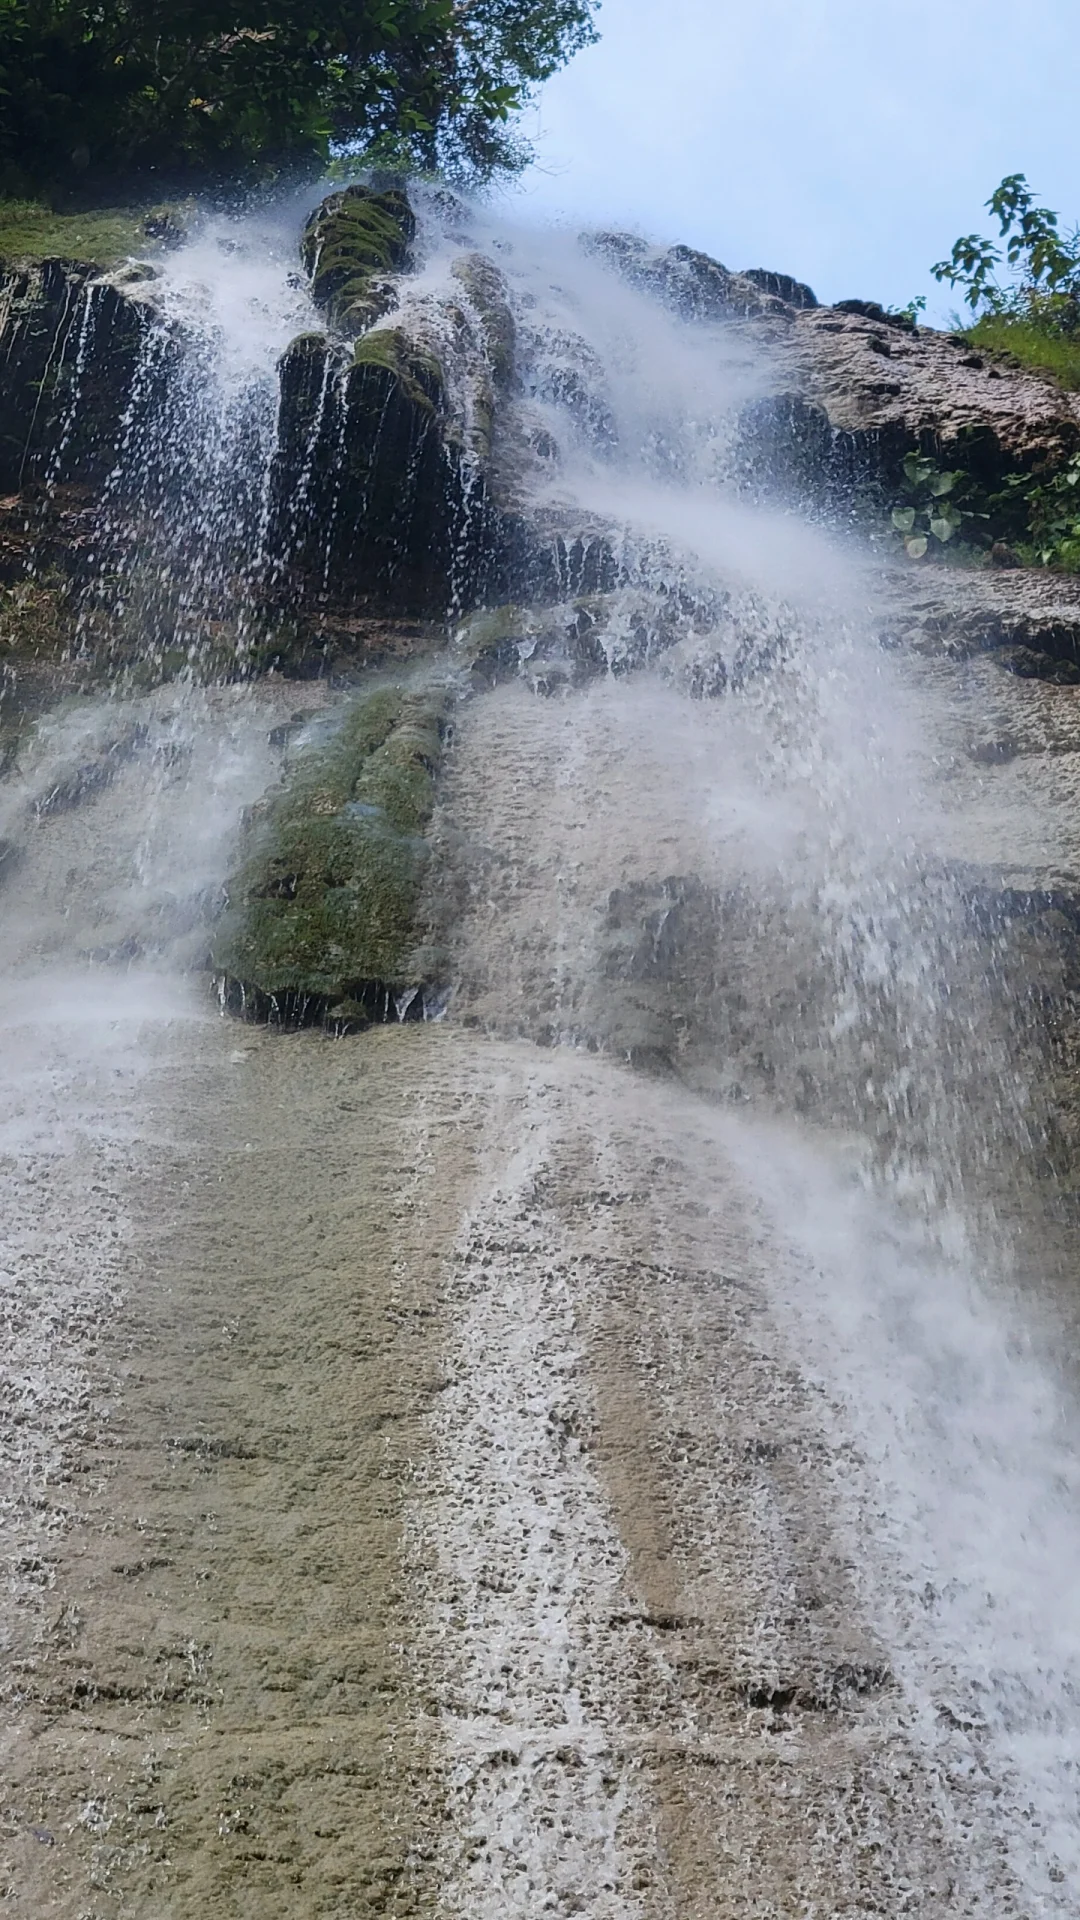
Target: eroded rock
351, 244
322, 919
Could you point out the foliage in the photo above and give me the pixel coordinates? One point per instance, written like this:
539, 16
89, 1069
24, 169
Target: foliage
1044, 265
29, 231
98, 92
912, 310
931, 512
1052, 511
1032, 343
1033, 517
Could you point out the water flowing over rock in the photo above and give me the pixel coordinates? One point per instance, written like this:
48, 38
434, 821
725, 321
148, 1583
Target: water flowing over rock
599, 1436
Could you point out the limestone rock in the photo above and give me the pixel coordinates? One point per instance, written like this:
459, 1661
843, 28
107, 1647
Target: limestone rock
887, 390
957, 614
794, 292
692, 284
323, 912
351, 244
486, 290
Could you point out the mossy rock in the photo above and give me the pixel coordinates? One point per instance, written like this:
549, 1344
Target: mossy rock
416, 372
323, 912
98, 238
486, 291
351, 243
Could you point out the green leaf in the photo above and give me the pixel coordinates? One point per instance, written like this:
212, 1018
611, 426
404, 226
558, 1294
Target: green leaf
917, 545
943, 483
903, 519
917, 469
941, 529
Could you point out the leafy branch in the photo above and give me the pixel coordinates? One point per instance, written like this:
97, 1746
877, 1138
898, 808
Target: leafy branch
1044, 263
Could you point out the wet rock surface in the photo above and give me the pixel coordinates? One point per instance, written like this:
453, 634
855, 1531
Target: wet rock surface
427, 1492
358, 1492
351, 244
322, 920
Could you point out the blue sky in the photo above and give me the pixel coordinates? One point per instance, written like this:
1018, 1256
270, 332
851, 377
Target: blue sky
845, 141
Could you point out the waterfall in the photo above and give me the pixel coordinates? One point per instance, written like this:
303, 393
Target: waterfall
852, 969
692, 834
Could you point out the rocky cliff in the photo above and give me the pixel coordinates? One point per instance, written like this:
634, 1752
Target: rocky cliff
407, 526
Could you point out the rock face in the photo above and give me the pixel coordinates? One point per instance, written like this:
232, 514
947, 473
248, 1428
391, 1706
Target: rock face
322, 919
395, 508
69, 346
693, 285
351, 244
854, 393
374, 503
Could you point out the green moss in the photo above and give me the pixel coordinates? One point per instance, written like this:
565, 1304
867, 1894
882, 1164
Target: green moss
326, 905
418, 373
486, 289
1032, 346
29, 231
350, 244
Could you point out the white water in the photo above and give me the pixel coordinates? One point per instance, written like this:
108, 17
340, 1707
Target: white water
959, 1504
962, 1503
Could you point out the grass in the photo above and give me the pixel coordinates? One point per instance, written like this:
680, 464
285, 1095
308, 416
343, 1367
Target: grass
1035, 347
30, 231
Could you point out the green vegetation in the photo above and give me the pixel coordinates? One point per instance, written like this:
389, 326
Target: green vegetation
418, 374
1030, 314
1051, 512
1031, 519
930, 510
1034, 312
325, 908
103, 96
1031, 343
351, 239
30, 231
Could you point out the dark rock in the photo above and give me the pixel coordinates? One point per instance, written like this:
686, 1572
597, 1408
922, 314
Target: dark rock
795, 293
69, 348
872, 310
1028, 664
369, 500
351, 244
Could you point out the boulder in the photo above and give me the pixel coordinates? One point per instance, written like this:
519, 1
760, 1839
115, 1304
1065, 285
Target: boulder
322, 917
692, 284
351, 245
886, 390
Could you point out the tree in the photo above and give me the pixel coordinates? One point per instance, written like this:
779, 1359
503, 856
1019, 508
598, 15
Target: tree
101, 94
1044, 264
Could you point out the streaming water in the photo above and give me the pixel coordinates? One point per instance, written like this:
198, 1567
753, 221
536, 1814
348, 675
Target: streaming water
836, 995
806, 800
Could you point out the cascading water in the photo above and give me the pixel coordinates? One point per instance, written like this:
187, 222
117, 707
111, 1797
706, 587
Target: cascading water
693, 820
854, 989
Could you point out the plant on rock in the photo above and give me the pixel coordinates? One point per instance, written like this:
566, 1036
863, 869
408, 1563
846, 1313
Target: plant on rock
1052, 508
1033, 312
930, 514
